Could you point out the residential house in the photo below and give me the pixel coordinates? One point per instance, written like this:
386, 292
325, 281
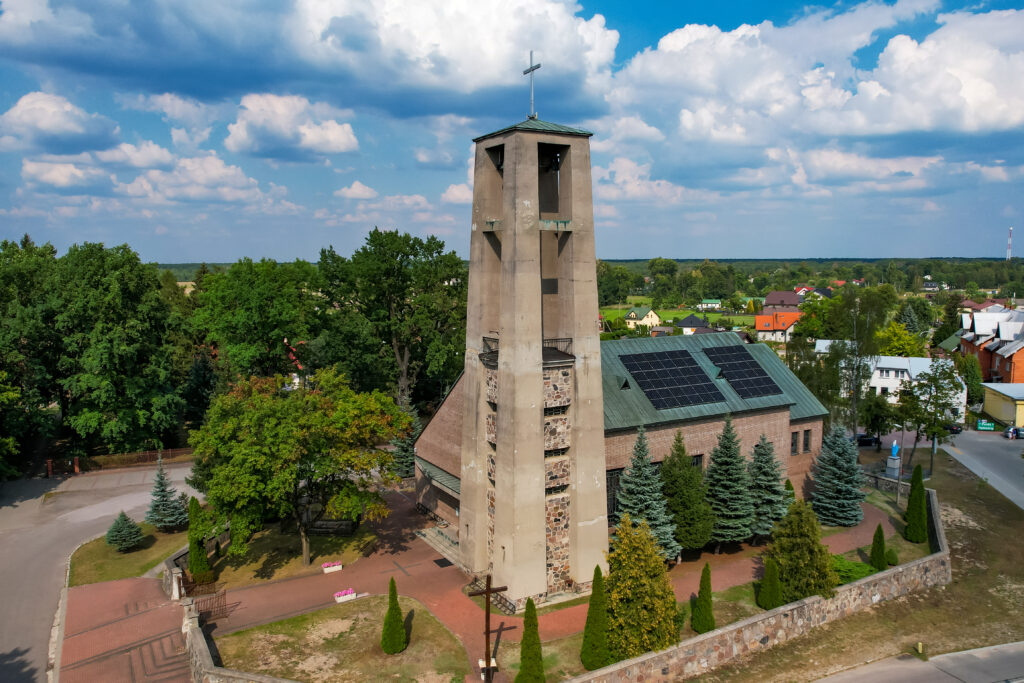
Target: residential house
662, 331
776, 326
995, 337
709, 305
691, 323
781, 301
641, 316
930, 286
1005, 402
801, 290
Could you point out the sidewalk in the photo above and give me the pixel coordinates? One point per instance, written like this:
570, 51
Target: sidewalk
421, 573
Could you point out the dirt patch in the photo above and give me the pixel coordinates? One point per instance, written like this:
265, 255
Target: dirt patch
329, 629
318, 667
432, 677
954, 517
1009, 591
267, 649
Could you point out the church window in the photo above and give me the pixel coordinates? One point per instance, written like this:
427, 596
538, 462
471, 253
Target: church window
807, 440
794, 443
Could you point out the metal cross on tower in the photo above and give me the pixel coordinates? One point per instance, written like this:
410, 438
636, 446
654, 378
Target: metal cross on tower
533, 67
487, 668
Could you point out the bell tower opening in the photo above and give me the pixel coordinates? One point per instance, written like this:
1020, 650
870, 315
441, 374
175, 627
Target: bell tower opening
554, 182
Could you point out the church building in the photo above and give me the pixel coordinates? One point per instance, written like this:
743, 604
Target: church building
523, 457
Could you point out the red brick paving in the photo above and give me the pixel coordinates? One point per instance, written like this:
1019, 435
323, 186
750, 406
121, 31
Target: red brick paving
125, 630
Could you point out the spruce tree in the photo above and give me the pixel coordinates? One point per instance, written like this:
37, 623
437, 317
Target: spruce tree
594, 652
837, 482
686, 498
770, 594
767, 489
531, 659
124, 534
917, 509
405, 447
641, 603
729, 493
877, 558
392, 637
805, 564
166, 512
703, 618
641, 498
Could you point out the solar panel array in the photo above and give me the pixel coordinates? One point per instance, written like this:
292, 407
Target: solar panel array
743, 373
671, 379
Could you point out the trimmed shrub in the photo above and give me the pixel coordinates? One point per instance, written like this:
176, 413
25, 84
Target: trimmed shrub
878, 550
594, 653
790, 492
917, 510
531, 659
124, 534
770, 594
805, 566
849, 571
703, 619
891, 557
392, 637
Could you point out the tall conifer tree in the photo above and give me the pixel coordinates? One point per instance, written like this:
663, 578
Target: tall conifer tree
805, 564
703, 618
686, 498
768, 492
405, 447
729, 492
531, 658
641, 498
837, 482
917, 509
165, 509
594, 652
877, 557
392, 637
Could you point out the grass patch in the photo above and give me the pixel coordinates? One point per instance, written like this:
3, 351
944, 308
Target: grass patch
729, 606
342, 643
581, 600
561, 656
984, 605
96, 561
275, 555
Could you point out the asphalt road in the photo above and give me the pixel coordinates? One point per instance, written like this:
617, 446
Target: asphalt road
984, 665
42, 521
993, 458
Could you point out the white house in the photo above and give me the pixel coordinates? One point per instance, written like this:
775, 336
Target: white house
641, 316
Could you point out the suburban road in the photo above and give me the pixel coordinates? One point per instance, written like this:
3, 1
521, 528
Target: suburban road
42, 521
992, 457
984, 665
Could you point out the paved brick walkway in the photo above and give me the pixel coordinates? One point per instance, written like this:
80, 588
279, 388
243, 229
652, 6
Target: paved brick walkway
123, 630
419, 573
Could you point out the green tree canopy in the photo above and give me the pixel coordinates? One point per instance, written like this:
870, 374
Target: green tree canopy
266, 451
166, 511
805, 565
531, 657
686, 498
877, 415
124, 534
641, 498
837, 482
641, 603
594, 652
729, 491
393, 638
896, 340
767, 490
703, 617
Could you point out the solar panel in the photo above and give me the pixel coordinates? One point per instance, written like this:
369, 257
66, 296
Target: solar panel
744, 374
671, 379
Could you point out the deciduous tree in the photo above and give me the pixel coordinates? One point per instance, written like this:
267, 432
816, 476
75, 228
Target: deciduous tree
641, 603
267, 450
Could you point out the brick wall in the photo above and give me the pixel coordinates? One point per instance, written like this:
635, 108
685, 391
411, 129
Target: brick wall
441, 503
701, 437
699, 655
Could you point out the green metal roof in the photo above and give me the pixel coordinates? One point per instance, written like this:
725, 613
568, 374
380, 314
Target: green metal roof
641, 312
447, 481
537, 126
950, 343
629, 408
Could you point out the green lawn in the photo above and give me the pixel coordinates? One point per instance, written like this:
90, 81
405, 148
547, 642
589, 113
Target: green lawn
96, 561
275, 555
614, 312
342, 643
561, 656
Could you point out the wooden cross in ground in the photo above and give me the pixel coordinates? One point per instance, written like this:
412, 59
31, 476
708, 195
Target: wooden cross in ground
487, 592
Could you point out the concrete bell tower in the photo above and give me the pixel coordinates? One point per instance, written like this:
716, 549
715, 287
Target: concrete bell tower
533, 508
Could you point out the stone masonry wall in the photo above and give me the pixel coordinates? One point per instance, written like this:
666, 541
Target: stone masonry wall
556, 472
491, 425
556, 512
556, 432
557, 387
699, 655
491, 380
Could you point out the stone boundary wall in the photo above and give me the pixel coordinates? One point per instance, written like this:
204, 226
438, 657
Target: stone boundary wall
886, 484
201, 661
703, 653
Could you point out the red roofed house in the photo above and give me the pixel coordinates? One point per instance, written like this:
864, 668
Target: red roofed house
776, 326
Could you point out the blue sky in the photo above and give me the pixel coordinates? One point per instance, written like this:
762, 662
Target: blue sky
211, 131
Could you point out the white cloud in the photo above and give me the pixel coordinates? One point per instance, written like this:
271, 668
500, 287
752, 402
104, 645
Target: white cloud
63, 175
625, 179
458, 194
356, 191
146, 155
397, 202
288, 127
51, 123
204, 178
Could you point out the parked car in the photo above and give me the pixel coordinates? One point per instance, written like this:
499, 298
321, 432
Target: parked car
953, 428
1013, 432
866, 440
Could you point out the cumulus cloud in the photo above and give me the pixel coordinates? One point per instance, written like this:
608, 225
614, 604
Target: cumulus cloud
147, 154
625, 179
460, 193
204, 179
356, 191
195, 118
65, 176
288, 127
51, 123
